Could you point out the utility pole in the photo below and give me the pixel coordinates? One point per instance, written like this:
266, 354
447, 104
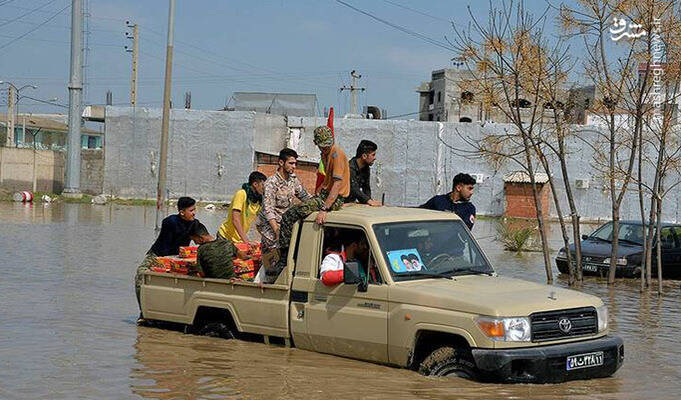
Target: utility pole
11, 96
161, 189
135, 51
353, 94
72, 181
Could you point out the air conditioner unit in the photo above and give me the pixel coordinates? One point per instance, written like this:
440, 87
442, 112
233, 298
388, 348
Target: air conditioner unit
479, 178
582, 183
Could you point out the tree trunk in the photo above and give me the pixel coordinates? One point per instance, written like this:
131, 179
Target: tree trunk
540, 213
641, 206
561, 220
615, 242
659, 246
574, 214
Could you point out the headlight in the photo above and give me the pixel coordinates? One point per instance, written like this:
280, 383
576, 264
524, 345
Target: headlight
602, 313
515, 329
620, 261
561, 254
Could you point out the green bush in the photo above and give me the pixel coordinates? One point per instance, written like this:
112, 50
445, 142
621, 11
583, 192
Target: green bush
516, 236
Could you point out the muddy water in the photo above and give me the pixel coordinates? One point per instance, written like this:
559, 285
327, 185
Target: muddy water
67, 312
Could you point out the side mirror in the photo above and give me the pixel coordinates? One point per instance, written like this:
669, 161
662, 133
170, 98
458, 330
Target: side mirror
352, 276
584, 237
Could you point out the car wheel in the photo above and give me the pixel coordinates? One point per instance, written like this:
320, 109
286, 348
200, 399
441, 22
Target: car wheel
449, 361
216, 329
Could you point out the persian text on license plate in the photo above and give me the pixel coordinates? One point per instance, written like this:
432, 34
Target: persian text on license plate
590, 267
584, 360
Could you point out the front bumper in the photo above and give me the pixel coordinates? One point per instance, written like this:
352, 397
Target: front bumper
625, 271
547, 364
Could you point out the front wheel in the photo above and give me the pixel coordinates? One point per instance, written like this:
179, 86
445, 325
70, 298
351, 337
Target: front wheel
449, 361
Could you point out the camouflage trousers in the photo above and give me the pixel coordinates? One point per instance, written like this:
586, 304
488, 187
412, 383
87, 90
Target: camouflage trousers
149, 260
298, 213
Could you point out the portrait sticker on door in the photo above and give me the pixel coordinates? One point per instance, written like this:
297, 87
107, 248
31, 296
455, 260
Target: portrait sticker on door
407, 260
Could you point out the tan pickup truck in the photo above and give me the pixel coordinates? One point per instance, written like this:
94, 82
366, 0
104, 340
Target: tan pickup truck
424, 296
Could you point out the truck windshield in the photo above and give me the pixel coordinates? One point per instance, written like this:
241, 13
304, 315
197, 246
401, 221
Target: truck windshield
429, 249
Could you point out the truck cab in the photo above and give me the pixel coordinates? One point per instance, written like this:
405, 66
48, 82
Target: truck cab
421, 295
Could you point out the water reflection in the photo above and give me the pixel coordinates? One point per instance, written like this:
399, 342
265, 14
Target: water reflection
67, 309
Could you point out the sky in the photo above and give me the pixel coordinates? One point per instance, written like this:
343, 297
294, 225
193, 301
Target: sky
225, 46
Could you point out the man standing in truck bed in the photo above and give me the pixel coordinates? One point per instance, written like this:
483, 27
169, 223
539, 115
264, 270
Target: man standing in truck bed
458, 200
335, 188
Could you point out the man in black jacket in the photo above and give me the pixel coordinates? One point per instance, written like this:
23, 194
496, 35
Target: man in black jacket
458, 200
360, 174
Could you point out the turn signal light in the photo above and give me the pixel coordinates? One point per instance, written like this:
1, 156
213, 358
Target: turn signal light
492, 328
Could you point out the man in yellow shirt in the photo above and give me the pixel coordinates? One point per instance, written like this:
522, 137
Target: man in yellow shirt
245, 206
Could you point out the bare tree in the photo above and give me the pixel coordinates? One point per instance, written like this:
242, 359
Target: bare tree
591, 20
509, 62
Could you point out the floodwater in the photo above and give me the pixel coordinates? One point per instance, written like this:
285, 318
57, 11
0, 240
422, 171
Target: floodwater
68, 311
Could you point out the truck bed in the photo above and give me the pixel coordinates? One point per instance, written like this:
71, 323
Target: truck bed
177, 298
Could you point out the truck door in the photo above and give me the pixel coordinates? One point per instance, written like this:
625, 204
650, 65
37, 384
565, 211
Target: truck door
340, 319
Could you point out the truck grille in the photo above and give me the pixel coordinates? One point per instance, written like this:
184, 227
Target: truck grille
592, 259
550, 325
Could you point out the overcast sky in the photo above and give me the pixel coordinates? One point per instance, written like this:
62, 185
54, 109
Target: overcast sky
297, 46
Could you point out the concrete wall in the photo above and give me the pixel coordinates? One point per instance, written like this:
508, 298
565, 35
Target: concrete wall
210, 153
16, 170
416, 159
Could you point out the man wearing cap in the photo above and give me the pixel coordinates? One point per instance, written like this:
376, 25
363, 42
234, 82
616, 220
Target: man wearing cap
334, 189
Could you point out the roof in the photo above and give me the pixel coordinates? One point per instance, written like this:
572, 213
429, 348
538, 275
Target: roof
368, 215
524, 177
298, 104
47, 124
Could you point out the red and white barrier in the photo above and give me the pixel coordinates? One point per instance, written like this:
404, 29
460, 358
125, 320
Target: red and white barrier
23, 197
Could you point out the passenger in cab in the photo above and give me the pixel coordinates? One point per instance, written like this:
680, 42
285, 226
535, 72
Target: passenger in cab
334, 189
360, 174
245, 206
354, 248
215, 256
175, 230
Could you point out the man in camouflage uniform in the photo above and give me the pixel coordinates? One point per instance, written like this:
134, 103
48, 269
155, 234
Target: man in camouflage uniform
215, 256
334, 189
280, 190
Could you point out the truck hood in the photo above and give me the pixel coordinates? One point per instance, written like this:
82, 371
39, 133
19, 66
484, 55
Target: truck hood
489, 295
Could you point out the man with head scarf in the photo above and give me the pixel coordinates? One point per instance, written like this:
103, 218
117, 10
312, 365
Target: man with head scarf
244, 208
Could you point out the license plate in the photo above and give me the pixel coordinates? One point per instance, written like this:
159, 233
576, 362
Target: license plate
590, 267
584, 360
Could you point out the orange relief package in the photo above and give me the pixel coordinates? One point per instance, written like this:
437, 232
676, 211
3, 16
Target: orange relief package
188, 251
244, 269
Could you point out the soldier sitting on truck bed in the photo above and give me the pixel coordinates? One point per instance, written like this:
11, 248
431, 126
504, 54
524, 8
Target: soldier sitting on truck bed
215, 256
334, 190
174, 233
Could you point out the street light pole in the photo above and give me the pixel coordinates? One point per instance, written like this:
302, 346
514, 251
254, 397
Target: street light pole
72, 179
162, 168
13, 98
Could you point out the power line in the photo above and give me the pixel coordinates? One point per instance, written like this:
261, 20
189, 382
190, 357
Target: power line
28, 13
418, 12
2, 3
417, 35
36, 28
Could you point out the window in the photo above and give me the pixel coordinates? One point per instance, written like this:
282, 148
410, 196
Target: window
439, 97
677, 232
421, 249
465, 119
667, 238
350, 244
467, 97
